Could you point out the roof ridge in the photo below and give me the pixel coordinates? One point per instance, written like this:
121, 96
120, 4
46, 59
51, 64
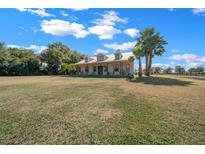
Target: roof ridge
114, 53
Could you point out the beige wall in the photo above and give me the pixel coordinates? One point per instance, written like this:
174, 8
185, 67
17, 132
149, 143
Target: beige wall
122, 68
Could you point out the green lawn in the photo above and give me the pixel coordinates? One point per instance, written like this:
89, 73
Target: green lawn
74, 110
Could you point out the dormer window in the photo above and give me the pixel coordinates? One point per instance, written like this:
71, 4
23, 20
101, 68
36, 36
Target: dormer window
86, 59
118, 55
100, 58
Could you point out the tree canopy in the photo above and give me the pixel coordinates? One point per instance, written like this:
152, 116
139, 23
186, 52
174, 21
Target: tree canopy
179, 69
14, 61
168, 70
54, 55
196, 70
138, 52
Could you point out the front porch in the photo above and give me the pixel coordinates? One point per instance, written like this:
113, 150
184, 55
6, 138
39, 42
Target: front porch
105, 69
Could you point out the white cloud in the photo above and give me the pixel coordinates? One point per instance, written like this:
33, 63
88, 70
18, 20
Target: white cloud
203, 59
192, 60
21, 27
63, 13
163, 66
174, 64
33, 47
186, 66
69, 16
199, 11
63, 28
123, 46
41, 12
131, 32
79, 9
13, 46
36, 48
34, 29
193, 65
101, 51
109, 19
22, 9
104, 27
184, 57
174, 50
171, 9
104, 32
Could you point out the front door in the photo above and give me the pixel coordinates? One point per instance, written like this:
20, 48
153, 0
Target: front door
100, 70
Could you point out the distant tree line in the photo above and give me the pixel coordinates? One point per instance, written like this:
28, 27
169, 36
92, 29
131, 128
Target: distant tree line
191, 71
55, 59
178, 70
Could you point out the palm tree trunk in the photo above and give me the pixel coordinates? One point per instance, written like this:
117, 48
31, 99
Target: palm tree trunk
140, 68
150, 64
147, 62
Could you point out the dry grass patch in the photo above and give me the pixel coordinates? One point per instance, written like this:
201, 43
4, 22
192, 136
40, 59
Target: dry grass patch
108, 113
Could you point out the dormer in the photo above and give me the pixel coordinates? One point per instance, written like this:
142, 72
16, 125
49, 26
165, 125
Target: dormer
118, 55
87, 59
101, 57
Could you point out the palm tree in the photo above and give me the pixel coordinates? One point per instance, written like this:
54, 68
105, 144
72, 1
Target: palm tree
152, 44
138, 52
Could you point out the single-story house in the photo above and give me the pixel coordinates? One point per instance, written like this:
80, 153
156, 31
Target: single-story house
102, 64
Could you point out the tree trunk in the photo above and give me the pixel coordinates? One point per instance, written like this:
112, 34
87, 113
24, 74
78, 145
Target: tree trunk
140, 68
150, 64
147, 62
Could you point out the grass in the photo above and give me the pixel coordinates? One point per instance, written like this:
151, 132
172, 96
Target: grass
74, 110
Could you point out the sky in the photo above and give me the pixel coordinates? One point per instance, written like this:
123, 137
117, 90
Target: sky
92, 31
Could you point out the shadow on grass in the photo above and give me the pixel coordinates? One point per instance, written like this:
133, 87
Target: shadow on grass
193, 77
162, 81
94, 76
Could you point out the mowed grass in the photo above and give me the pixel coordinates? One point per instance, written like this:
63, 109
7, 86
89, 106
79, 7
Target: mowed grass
74, 110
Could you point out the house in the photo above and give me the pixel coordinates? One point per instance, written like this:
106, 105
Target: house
112, 64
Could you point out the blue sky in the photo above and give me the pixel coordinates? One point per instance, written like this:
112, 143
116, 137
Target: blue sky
104, 30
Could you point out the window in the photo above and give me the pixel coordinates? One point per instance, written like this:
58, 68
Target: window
100, 58
78, 69
94, 69
128, 67
116, 68
86, 59
105, 68
117, 57
86, 69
